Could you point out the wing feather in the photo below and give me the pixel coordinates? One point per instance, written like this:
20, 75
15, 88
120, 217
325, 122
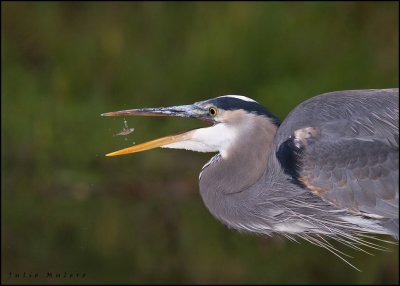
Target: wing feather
351, 161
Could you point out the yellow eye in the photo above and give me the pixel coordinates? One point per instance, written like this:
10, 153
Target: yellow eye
212, 111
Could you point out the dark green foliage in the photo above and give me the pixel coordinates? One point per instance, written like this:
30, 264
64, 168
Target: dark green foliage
139, 218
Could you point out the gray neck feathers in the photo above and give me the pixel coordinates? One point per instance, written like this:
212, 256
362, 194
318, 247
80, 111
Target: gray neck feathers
243, 166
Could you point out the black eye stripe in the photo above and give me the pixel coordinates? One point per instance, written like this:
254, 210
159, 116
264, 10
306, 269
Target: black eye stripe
231, 103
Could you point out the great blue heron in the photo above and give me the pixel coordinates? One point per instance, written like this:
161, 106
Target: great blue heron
329, 169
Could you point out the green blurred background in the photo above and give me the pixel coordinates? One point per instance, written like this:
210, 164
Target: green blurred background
139, 218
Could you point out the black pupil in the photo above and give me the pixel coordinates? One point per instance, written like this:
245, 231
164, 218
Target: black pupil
212, 111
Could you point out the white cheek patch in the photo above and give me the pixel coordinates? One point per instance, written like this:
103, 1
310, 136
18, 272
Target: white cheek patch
191, 146
217, 138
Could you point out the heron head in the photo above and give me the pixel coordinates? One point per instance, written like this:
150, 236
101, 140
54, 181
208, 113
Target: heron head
229, 116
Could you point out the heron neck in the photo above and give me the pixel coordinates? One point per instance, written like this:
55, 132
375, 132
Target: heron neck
245, 163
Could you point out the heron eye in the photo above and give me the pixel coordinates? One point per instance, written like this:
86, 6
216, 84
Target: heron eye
212, 111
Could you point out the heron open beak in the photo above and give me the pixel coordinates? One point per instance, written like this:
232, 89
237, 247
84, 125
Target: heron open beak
189, 111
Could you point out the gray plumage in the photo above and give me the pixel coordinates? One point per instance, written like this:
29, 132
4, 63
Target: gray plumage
330, 169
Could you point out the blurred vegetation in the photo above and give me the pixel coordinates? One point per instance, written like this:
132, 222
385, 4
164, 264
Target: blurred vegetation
139, 218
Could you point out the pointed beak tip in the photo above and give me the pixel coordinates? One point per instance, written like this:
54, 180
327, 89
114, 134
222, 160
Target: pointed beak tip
112, 154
